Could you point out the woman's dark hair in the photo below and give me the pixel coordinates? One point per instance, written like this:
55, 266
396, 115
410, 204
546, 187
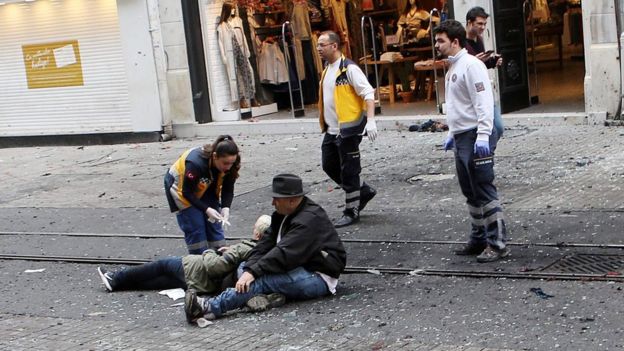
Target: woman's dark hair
226, 11
454, 30
408, 6
224, 146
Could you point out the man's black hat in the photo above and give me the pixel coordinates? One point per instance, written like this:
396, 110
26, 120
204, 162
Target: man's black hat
287, 185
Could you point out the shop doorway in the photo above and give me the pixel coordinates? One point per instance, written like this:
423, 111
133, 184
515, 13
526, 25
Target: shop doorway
555, 68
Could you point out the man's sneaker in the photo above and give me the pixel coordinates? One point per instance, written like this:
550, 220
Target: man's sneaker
366, 196
491, 255
471, 249
193, 306
263, 302
350, 216
107, 278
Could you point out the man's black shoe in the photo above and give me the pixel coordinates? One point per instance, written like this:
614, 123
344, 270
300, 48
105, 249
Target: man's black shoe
193, 308
365, 196
349, 217
471, 249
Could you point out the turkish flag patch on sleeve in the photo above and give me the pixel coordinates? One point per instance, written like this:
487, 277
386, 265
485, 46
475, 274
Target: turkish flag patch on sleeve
480, 87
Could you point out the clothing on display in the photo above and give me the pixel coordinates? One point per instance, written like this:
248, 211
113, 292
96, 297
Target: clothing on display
246, 85
225, 34
300, 20
235, 56
338, 11
272, 64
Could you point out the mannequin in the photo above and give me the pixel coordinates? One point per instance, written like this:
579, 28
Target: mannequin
235, 55
413, 23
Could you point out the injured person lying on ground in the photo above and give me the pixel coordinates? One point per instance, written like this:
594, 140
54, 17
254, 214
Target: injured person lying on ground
208, 273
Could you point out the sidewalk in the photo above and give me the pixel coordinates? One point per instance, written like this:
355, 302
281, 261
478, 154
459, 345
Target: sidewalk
386, 121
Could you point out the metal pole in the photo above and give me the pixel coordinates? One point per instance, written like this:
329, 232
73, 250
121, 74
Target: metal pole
287, 56
433, 56
370, 22
532, 99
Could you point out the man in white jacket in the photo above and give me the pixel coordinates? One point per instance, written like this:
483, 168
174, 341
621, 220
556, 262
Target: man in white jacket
469, 114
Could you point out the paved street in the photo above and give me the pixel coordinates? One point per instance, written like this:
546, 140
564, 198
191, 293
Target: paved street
558, 184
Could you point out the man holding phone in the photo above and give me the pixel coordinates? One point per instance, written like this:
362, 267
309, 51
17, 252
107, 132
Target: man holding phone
476, 21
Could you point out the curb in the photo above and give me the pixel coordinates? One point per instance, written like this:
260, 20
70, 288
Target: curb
311, 126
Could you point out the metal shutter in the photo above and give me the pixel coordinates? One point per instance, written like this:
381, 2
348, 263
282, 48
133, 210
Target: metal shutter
100, 105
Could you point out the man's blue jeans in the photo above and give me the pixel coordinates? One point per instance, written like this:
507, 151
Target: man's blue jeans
199, 234
165, 273
498, 120
298, 284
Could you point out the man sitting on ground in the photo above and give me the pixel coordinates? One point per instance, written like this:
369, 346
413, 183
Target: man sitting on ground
301, 257
205, 273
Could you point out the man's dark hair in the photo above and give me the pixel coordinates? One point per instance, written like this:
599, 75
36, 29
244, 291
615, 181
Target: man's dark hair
333, 37
475, 12
453, 29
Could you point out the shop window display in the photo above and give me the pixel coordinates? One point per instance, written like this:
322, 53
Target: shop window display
405, 20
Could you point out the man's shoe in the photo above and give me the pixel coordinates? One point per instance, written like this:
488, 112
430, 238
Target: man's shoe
193, 306
492, 255
365, 197
470, 249
263, 302
349, 217
107, 278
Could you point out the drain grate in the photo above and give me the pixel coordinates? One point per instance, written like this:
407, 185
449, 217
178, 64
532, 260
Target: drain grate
588, 264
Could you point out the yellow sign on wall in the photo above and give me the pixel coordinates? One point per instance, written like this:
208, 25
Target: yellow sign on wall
50, 65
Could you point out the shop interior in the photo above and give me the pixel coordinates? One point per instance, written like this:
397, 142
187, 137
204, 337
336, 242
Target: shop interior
556, 56
286, 67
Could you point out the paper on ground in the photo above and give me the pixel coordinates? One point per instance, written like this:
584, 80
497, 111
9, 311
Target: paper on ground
34, 270
173, 293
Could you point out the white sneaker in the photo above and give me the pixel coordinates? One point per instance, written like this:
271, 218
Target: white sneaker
107, 278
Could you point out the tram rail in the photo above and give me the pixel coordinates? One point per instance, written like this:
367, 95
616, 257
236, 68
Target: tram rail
355, 269
562, 244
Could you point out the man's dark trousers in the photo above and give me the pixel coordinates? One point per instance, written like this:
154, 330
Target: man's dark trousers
476, 180
341, 162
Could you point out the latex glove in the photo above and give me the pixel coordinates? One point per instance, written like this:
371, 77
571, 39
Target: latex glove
371, 130
449, 143
213, 215
482, 148
225, 214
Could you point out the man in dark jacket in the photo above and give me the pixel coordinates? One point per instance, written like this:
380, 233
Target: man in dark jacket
301, 257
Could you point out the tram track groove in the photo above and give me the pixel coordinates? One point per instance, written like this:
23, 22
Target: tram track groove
562, 244
355, 269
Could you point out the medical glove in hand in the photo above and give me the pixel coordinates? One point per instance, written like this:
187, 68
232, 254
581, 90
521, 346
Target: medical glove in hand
213, 215
449, 143
482, 148
371, 129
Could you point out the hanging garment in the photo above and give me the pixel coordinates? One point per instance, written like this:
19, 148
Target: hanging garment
298, 59
246, 87
338, 10
272, 64
541, 11
226, 37
300, 20
318, 62
239, 33
311, 83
